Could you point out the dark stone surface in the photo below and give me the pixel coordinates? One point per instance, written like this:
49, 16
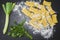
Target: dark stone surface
56, 36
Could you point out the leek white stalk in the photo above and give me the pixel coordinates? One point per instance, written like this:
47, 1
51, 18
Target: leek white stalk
7, 9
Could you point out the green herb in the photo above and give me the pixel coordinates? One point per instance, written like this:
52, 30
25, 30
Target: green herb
7, 9
18, 30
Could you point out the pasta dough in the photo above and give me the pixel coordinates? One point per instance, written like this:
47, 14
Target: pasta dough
43, 14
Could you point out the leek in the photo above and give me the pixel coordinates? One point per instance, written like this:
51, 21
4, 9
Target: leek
7, 9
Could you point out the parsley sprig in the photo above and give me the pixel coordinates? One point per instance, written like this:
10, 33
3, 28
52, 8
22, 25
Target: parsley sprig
18, 30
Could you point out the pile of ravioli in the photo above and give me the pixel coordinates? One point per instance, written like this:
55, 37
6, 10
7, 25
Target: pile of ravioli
40, 14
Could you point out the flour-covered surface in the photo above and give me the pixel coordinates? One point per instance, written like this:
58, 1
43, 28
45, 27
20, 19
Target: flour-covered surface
44, 32
40, 35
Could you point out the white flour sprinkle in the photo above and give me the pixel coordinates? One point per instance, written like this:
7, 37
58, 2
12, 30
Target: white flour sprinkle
45, 32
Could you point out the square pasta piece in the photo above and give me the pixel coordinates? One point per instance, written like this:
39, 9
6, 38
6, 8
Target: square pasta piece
43, 9
46, 3
54, 18
39, 21
44, 22
32, 4
37, 5
28, 3
50, 10
36, 17
47, 14
26, 12
32, 23
34, 10
50, 21
40, 12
